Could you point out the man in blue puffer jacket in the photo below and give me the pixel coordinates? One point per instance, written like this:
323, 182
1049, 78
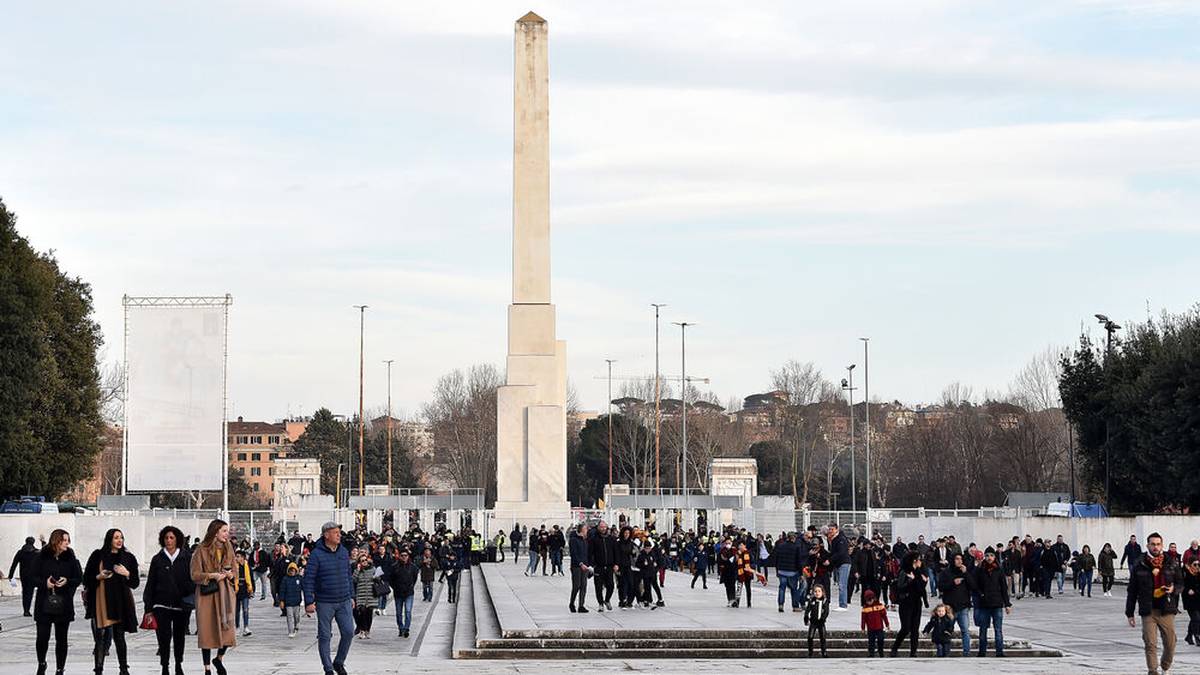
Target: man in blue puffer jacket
328, 591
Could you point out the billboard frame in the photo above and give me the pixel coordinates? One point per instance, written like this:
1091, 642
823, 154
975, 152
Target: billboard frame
224, 301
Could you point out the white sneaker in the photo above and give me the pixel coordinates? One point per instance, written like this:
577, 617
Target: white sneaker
292, 634
840, 609
247, 633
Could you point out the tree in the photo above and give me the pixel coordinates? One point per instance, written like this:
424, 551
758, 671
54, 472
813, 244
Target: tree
50, 425
326, 440
1136, 410
462, 415
376, 462
587, 463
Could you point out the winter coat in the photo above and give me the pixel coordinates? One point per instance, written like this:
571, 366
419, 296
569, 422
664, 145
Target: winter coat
940, 628
874, 616
214, 612
403, 578
1132, 553
786, 556
1191, 591
290, 592
244, 582
1107, 558
328, 577
429, 570
168, 583
992, 586
1141, 587
46, 566
839, 550
1086, 562
118, 590
647, 562
602, 550
958, 596
578, 549
866, 565
23, 561
816, 611
364, 586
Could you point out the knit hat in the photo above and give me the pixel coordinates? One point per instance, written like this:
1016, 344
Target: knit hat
989, 551
293, 567
868, 595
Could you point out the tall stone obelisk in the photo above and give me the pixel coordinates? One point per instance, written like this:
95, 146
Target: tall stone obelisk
531, 423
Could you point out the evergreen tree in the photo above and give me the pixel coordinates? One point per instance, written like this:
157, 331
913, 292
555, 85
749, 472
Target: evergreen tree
326, 440
50, 424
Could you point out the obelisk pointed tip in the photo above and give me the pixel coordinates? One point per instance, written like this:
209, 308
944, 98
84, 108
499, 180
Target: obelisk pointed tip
531, 18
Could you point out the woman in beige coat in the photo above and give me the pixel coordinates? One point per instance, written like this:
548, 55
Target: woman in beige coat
212, 564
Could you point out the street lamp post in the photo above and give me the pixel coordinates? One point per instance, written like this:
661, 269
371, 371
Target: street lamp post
848, 385
362, 318
610, 442
683, 397
389, 422
867, 398
1110, 327
657, 398
338, 498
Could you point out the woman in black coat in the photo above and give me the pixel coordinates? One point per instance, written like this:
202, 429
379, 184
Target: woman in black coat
110, 576
57, 574
168, 584
911, 595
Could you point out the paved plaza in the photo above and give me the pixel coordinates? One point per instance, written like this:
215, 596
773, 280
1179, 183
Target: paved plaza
1091, 633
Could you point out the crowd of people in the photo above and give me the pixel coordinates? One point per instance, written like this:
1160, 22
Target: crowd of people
346, 579
340, 578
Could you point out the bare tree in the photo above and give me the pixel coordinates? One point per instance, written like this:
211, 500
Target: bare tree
956, 393
1036, 386
462, 416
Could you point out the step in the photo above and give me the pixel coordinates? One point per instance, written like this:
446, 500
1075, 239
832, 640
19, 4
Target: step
737, 653
487, 625
686, 643
463, 643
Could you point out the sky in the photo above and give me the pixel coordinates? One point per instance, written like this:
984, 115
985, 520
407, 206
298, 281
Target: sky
966, 183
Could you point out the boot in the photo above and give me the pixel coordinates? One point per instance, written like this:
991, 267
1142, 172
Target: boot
41, 668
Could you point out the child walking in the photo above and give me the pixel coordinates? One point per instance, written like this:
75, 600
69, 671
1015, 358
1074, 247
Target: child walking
290, 598
816, 611
874, 621
941, 629
245, 590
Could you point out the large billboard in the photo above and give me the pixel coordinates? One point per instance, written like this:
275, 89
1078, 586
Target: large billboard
175, 389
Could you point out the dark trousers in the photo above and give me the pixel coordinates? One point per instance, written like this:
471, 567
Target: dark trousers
363, 615
701, 573
27, 589
874, 642
172, 625
452, 588
625, 586
578, 585
1106, 580
910, 622
60, 641
816, 629
730, 589
102, 636
650, 583
603, 581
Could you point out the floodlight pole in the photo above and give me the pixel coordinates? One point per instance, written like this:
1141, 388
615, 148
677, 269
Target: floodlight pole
389, 423
657, 398
867, 399
362, 317
610, 433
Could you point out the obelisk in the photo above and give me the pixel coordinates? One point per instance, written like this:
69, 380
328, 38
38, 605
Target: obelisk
531, 439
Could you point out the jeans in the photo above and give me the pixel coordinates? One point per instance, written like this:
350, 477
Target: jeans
991, 617
843, 579
556, 558
404, 612
531, 568
943, 648
932, 583
1062, 577
1085, 583
578, 585
327, 613
787, 582
963, 618
260, 582
426, 590
241, 614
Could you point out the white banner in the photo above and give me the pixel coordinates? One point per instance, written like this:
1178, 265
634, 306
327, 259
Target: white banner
175, 362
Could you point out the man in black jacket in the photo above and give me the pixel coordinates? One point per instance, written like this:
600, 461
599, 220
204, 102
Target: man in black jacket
1154, 585
23, 561
602, 557
1063, 552
994, 602
957, 584
1132, 553
839, 560
403, 579
580, 570
787, 569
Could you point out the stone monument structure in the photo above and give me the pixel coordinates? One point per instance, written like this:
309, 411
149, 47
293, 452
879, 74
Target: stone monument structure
531, 421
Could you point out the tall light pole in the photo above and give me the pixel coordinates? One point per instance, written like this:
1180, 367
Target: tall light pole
362, 318
683, 381
657, 397
848, 385
389, 423
338, 498
1110, 327
610, 446
867, 398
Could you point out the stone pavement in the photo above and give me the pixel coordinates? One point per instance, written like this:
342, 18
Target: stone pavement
1092, 633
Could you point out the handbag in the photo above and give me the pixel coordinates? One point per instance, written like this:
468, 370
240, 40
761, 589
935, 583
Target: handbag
209, 587
149, 622
380, 588
54, 604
